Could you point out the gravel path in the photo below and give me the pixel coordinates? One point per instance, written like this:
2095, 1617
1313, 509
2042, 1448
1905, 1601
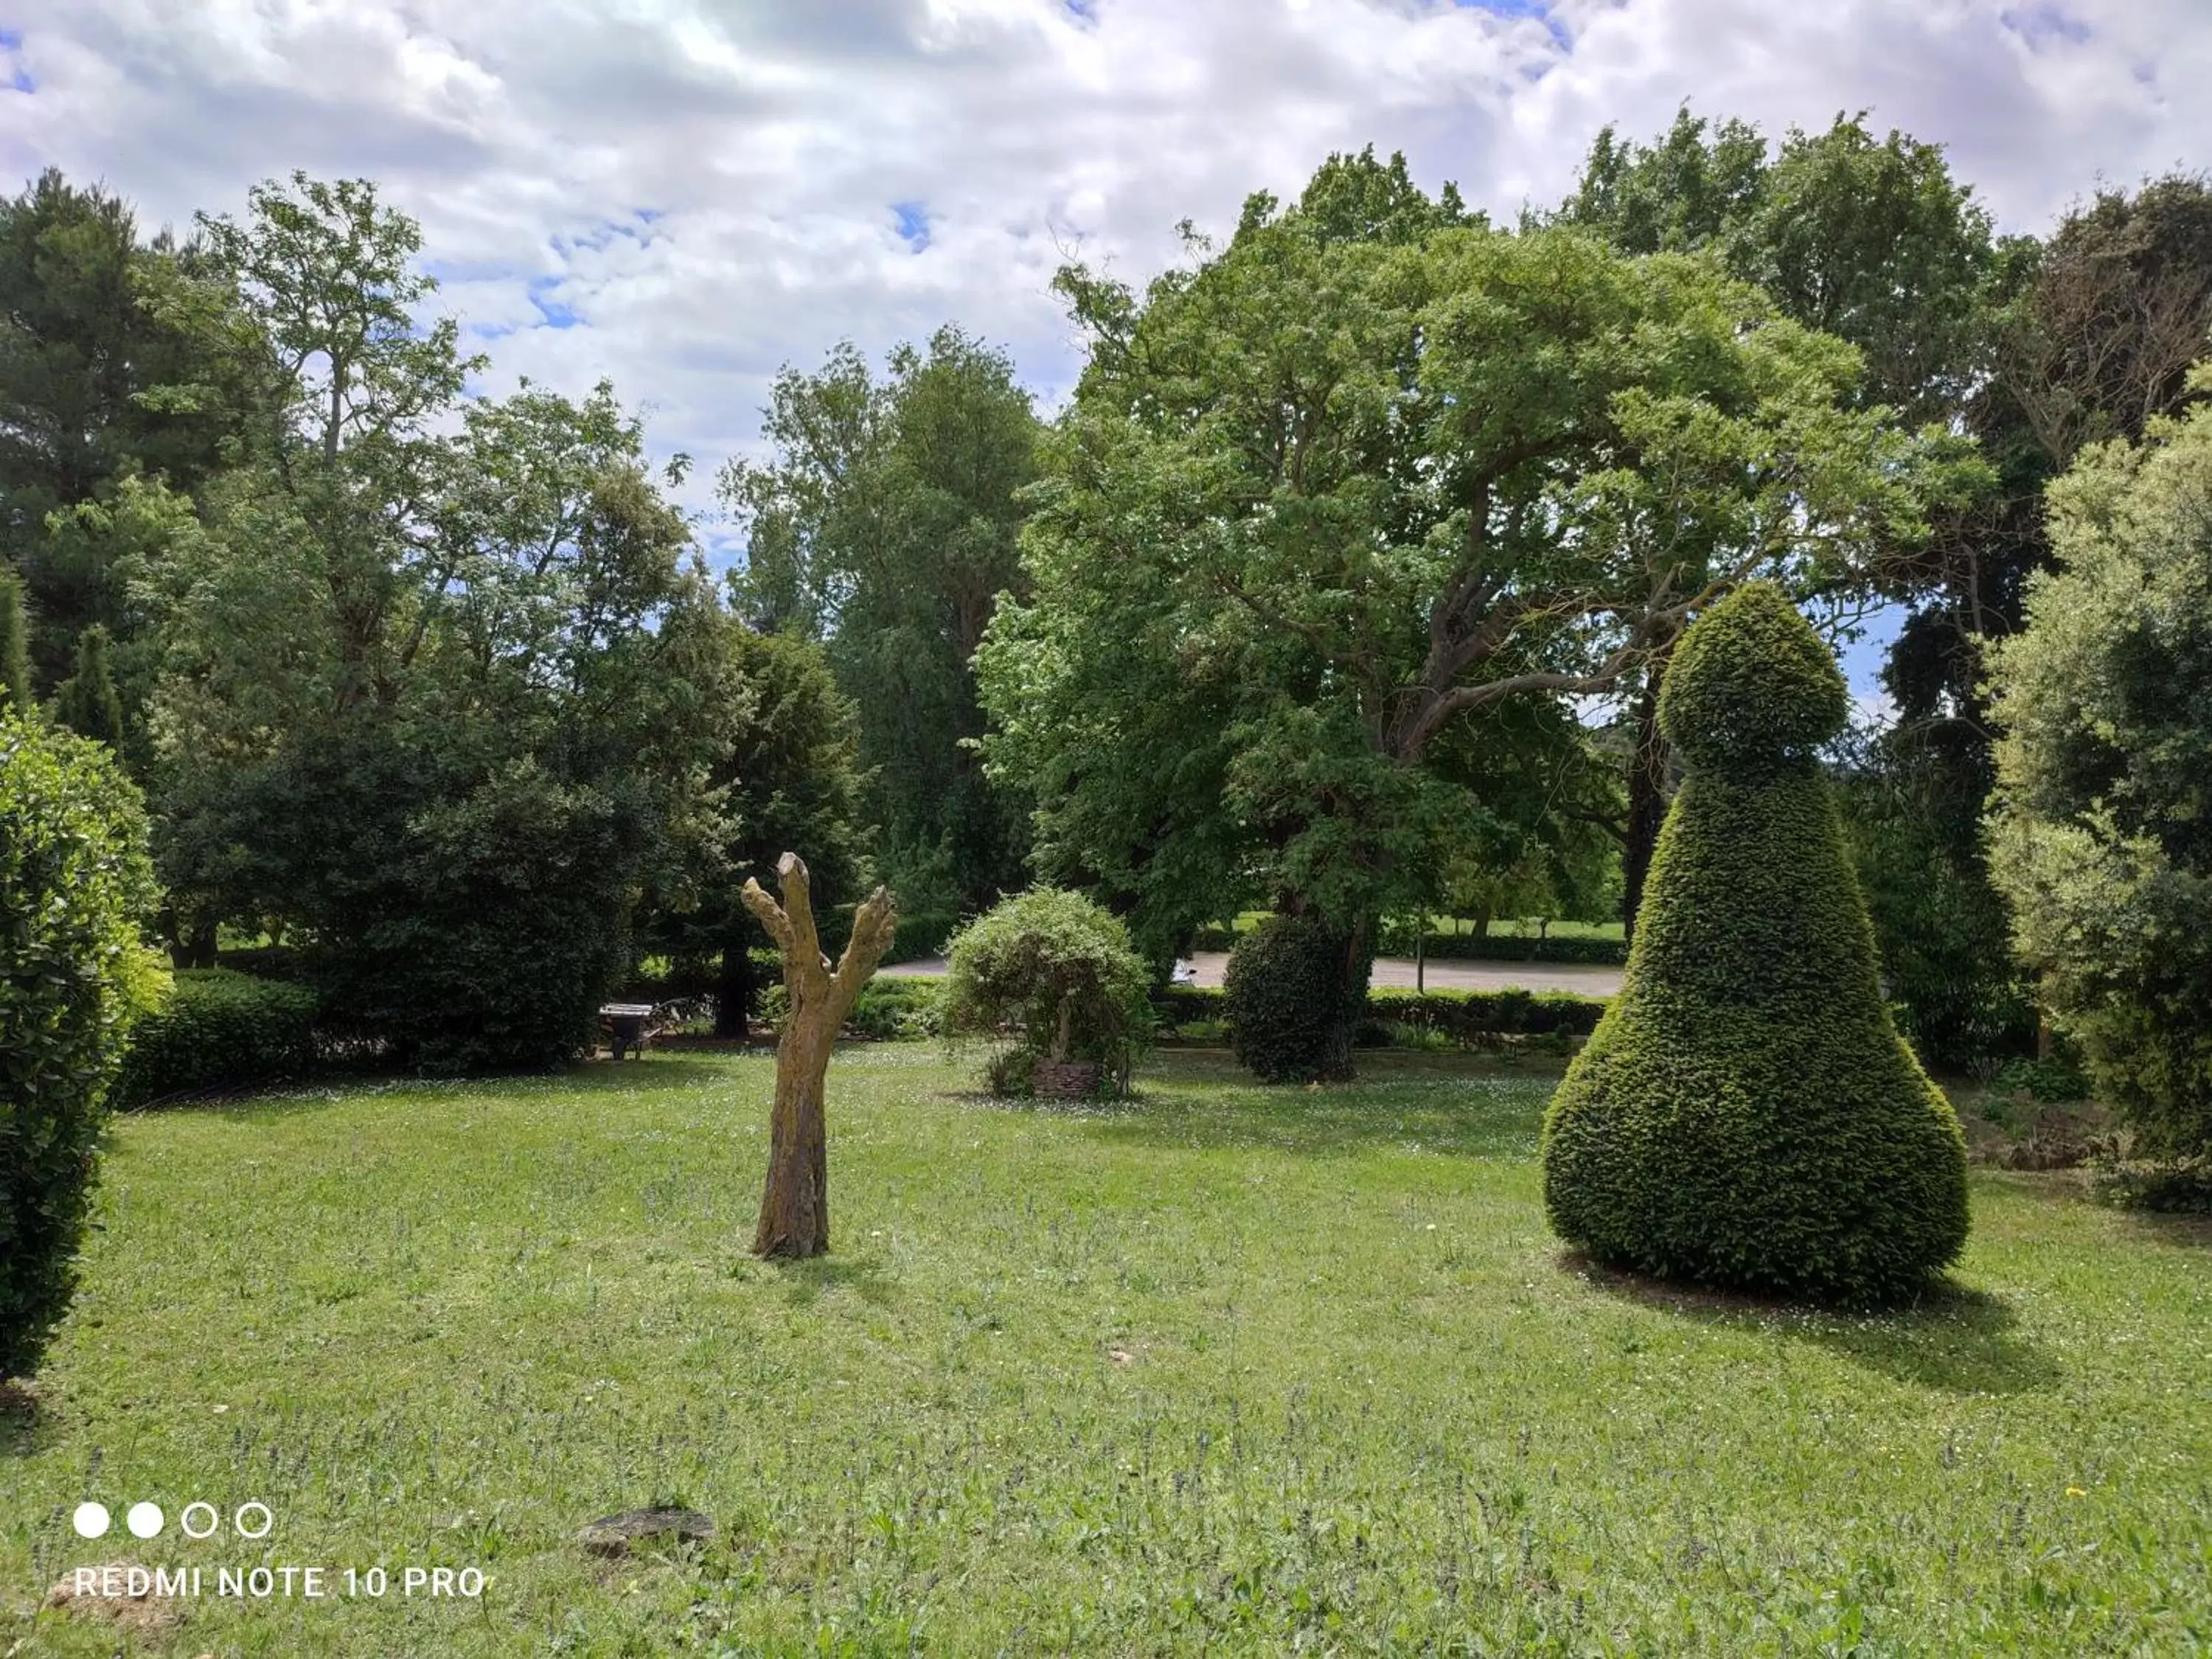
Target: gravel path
1590, 980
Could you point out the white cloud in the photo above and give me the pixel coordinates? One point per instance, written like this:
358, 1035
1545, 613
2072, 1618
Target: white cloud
707, 191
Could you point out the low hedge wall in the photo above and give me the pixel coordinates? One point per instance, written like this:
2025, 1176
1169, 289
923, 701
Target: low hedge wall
219, 1030
1458, 1014
1397, 940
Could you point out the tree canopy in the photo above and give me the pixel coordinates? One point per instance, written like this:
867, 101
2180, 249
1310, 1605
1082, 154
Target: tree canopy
885, 526
1322, 506
2101, 833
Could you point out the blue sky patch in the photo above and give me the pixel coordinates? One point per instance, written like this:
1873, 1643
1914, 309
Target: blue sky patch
2038, 25
913, 224
1539, 9
554, 311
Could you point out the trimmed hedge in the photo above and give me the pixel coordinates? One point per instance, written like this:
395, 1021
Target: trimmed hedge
1290, 1013
1466, 1016
1745, 1114
219, 1030
77, 887
1396, 939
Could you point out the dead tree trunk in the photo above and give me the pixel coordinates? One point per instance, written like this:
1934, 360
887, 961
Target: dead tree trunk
794, 1216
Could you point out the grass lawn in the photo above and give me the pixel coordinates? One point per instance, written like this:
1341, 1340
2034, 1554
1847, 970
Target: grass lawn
1231, 1369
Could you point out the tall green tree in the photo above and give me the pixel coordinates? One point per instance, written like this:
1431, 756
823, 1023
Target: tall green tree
86, 703
884, 526
15, 644
2099, 832
788, 781
1869, 240
2094, 332
428, 695
1322, 507
101, 378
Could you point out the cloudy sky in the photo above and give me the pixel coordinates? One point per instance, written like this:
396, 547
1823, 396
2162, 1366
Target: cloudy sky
686, 194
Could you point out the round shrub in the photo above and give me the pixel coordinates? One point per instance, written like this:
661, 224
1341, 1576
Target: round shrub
1292, 1011
1053, 972
76, 885
1745, 1114
219, 1030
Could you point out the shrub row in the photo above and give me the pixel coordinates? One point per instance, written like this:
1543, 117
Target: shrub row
219, 1030
1455, 1014
889, 1005
1396, 939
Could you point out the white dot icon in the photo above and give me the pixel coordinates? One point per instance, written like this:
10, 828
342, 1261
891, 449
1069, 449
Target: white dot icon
90, 1520
144, 1520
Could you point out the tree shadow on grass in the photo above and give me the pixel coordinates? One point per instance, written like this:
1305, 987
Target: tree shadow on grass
2187, 1232
1430, 1103
22, 1430
1954, 1340
805, 1283
280, 1100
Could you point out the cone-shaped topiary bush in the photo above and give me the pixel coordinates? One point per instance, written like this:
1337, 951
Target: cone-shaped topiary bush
1745, 1114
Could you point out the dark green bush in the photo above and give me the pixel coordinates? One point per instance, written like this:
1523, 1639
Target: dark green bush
917, 937
463, 913
76, 886
889, 1007
1467, 1014
219, 1030
2057, 1081
1745, 1114
1053, 973
2170, 1186
1291, 1011
897, 1006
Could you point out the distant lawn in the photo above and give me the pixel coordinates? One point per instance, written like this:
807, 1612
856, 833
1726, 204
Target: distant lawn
1228, 1368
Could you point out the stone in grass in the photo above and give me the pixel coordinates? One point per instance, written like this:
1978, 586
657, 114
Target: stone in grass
118, 1592
614, 1535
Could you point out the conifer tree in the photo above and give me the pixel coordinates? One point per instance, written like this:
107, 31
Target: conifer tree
15, 643
86, 702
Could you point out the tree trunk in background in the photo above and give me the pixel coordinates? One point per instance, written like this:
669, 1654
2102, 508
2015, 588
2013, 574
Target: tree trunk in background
195, 948
1647, 795
1358, 970
794, 1214
733, 989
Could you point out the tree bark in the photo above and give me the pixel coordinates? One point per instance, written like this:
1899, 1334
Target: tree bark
1647, 795
795, 1215
733, 987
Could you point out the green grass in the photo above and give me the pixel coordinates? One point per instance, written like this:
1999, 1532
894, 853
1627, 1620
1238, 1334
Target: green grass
1226, 1369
